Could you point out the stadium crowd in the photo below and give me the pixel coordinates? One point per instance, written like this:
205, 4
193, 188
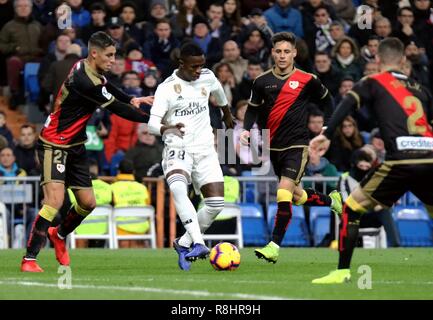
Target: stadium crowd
334, 42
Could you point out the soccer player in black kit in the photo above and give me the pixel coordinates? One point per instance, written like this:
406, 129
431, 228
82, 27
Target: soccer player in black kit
278, 103
404, 111
61, 150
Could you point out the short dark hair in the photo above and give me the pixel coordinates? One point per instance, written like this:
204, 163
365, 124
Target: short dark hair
254, 61
97, 6
28, 125
315, 112
391, 50
126, 166
92, 162
101, 40
400, 10
284, 36
190, 49
322, 53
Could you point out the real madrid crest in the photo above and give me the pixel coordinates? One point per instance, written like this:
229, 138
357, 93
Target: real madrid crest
203, 92
293, 84
177, 88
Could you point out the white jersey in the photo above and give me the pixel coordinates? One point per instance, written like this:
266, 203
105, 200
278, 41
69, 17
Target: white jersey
187, 102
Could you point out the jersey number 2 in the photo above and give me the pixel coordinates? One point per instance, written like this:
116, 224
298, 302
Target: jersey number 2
412, 127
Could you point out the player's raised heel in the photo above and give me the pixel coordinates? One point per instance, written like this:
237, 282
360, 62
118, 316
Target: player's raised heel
62, 254
199, 251
182, 251
270, 252
30, 266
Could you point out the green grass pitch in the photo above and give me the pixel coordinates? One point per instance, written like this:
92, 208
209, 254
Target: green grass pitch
153, 274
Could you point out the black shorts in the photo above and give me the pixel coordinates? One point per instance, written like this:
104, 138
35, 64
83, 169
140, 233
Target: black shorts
64, 165
290, 163
392, 179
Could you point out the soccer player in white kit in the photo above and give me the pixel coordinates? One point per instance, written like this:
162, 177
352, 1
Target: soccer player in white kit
180, 113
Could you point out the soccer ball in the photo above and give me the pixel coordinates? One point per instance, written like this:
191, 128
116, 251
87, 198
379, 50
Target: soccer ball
225, 256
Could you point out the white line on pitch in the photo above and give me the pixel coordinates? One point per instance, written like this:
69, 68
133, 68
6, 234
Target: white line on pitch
195, 293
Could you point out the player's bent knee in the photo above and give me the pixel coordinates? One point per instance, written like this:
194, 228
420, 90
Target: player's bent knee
214, 205
178, 184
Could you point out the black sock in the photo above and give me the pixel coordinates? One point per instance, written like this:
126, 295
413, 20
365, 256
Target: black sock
316, 198
282, 220
38, 237
349, 228
72, 220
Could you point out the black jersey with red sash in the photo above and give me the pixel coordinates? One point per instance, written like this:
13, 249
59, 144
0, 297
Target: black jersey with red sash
82, 92
281, 103
403, 109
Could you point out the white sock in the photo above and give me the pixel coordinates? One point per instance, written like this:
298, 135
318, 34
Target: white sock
184, 208
206, 215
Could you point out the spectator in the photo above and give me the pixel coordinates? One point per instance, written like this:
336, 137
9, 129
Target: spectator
246, 158
257, 18
6, 14
4, 130
336, 30
131, 83
346, 140
8, 166
316, 120
232, 56
254, 69
308, 9
369, 52
282, 17
129, 15
135, 61
182, 21
19, 42
149, 86
346, 58
256, 46
224, 74
80, 16
97, 21
56, 75
232, 16
319, 166
404, 29
382, 27
218, 26
129, 193
318, 35
158, 12
113, 8
42, 11
117, 70
211, 46
62, 44
378, 145
25, 150
116, 30
72, 34
344, 9
160, 45
122, 136
371, 68
146, 154
327, 73
346, 85
423, 25
419, 64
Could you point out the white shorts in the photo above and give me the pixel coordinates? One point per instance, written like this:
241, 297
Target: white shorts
202, 167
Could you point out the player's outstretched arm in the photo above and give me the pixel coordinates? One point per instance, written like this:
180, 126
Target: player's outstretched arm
128, 111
